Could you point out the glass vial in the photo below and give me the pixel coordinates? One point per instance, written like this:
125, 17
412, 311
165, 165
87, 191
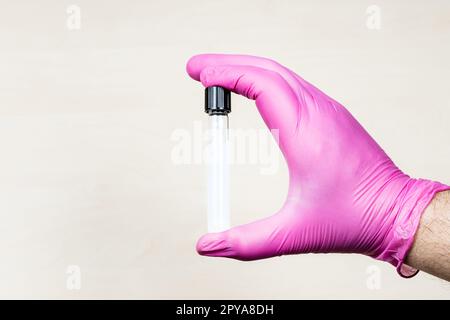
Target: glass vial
218, 105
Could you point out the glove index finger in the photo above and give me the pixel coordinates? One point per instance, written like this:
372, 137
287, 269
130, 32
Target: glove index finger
276, 100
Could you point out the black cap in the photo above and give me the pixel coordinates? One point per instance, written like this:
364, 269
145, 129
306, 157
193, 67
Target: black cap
217, 101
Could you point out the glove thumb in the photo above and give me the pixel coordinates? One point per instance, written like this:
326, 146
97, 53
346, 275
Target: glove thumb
257, 240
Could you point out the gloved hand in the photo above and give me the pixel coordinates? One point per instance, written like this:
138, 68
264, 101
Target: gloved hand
345, 194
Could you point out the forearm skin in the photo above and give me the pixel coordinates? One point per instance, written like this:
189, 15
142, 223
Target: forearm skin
430, 251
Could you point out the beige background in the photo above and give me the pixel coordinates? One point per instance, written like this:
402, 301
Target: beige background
86, 116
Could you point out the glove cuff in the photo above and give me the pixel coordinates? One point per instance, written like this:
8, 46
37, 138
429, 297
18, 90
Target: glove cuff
411, 204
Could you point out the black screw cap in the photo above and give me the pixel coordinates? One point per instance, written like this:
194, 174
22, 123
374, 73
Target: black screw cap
217, 101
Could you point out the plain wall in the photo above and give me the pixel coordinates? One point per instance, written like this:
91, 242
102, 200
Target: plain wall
87, 116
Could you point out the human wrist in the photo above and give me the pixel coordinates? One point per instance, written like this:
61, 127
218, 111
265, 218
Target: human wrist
430, 250
409, 207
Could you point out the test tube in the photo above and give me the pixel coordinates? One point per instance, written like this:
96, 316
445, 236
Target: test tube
217, 106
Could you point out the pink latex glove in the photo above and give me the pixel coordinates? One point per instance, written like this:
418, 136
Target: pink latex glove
345, 193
